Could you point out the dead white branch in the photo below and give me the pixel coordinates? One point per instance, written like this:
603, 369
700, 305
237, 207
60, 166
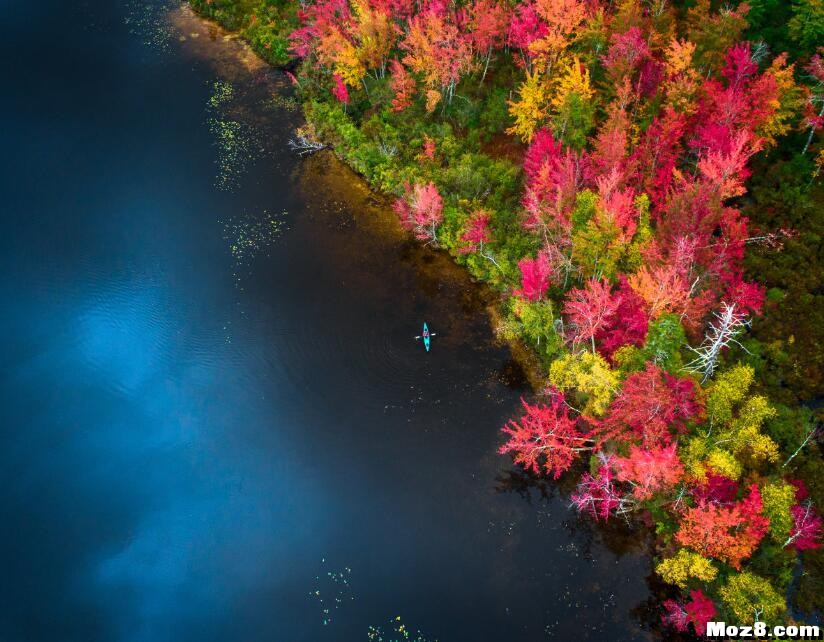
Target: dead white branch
722, 333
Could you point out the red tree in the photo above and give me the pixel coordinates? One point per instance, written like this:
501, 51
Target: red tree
488, 21
651, 406
675, 615
525, 28
649, 471
545, 437
716, 489
339, 90
628, 326
699, 610
627, 52
554, 177
402, 84
730, 534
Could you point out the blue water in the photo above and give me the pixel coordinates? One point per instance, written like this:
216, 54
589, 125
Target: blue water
206, 445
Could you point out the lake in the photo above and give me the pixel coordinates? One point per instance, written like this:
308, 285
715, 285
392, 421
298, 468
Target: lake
217, 424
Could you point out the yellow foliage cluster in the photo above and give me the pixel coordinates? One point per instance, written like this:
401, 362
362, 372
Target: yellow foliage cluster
727, 390
573, 80
563, 18
338, 53
786, 104
750, 445
741, 417
531, 109
778, 498
681, 80
375, 34
685, 566
372, 39
541, 95
435, 50
746, 594
433, 98
700, 457
589, 376
734, 439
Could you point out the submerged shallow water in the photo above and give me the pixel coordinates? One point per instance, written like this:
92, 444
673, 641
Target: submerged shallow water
216, 422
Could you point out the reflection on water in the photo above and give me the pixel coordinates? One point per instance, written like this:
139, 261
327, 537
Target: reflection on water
179, 451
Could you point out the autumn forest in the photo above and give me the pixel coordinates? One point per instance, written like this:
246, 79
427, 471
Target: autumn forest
638, 181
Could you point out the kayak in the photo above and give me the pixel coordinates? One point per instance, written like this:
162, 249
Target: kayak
426, 337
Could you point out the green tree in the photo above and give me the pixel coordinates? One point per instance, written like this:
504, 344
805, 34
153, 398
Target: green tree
806, 26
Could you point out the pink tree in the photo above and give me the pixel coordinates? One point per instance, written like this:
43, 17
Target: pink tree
807, 527
598, 495
590, 310
649, 471
428, 150
339, 90
421, 211
525, 28
543, 149
477, 235
535, 276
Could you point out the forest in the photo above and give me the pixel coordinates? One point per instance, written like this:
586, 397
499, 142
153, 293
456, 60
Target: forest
639, 181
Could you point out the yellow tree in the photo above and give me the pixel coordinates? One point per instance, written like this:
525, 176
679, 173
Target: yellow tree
532, 108
785, 100
681, 80
375, 35
572, 104
340, 54
686, 567
588, 378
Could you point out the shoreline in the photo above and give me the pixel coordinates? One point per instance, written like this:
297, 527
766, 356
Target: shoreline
186, 18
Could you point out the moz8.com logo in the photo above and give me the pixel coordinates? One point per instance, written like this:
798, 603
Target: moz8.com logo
760, 631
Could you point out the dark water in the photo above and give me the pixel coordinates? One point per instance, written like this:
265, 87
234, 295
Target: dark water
216, 424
